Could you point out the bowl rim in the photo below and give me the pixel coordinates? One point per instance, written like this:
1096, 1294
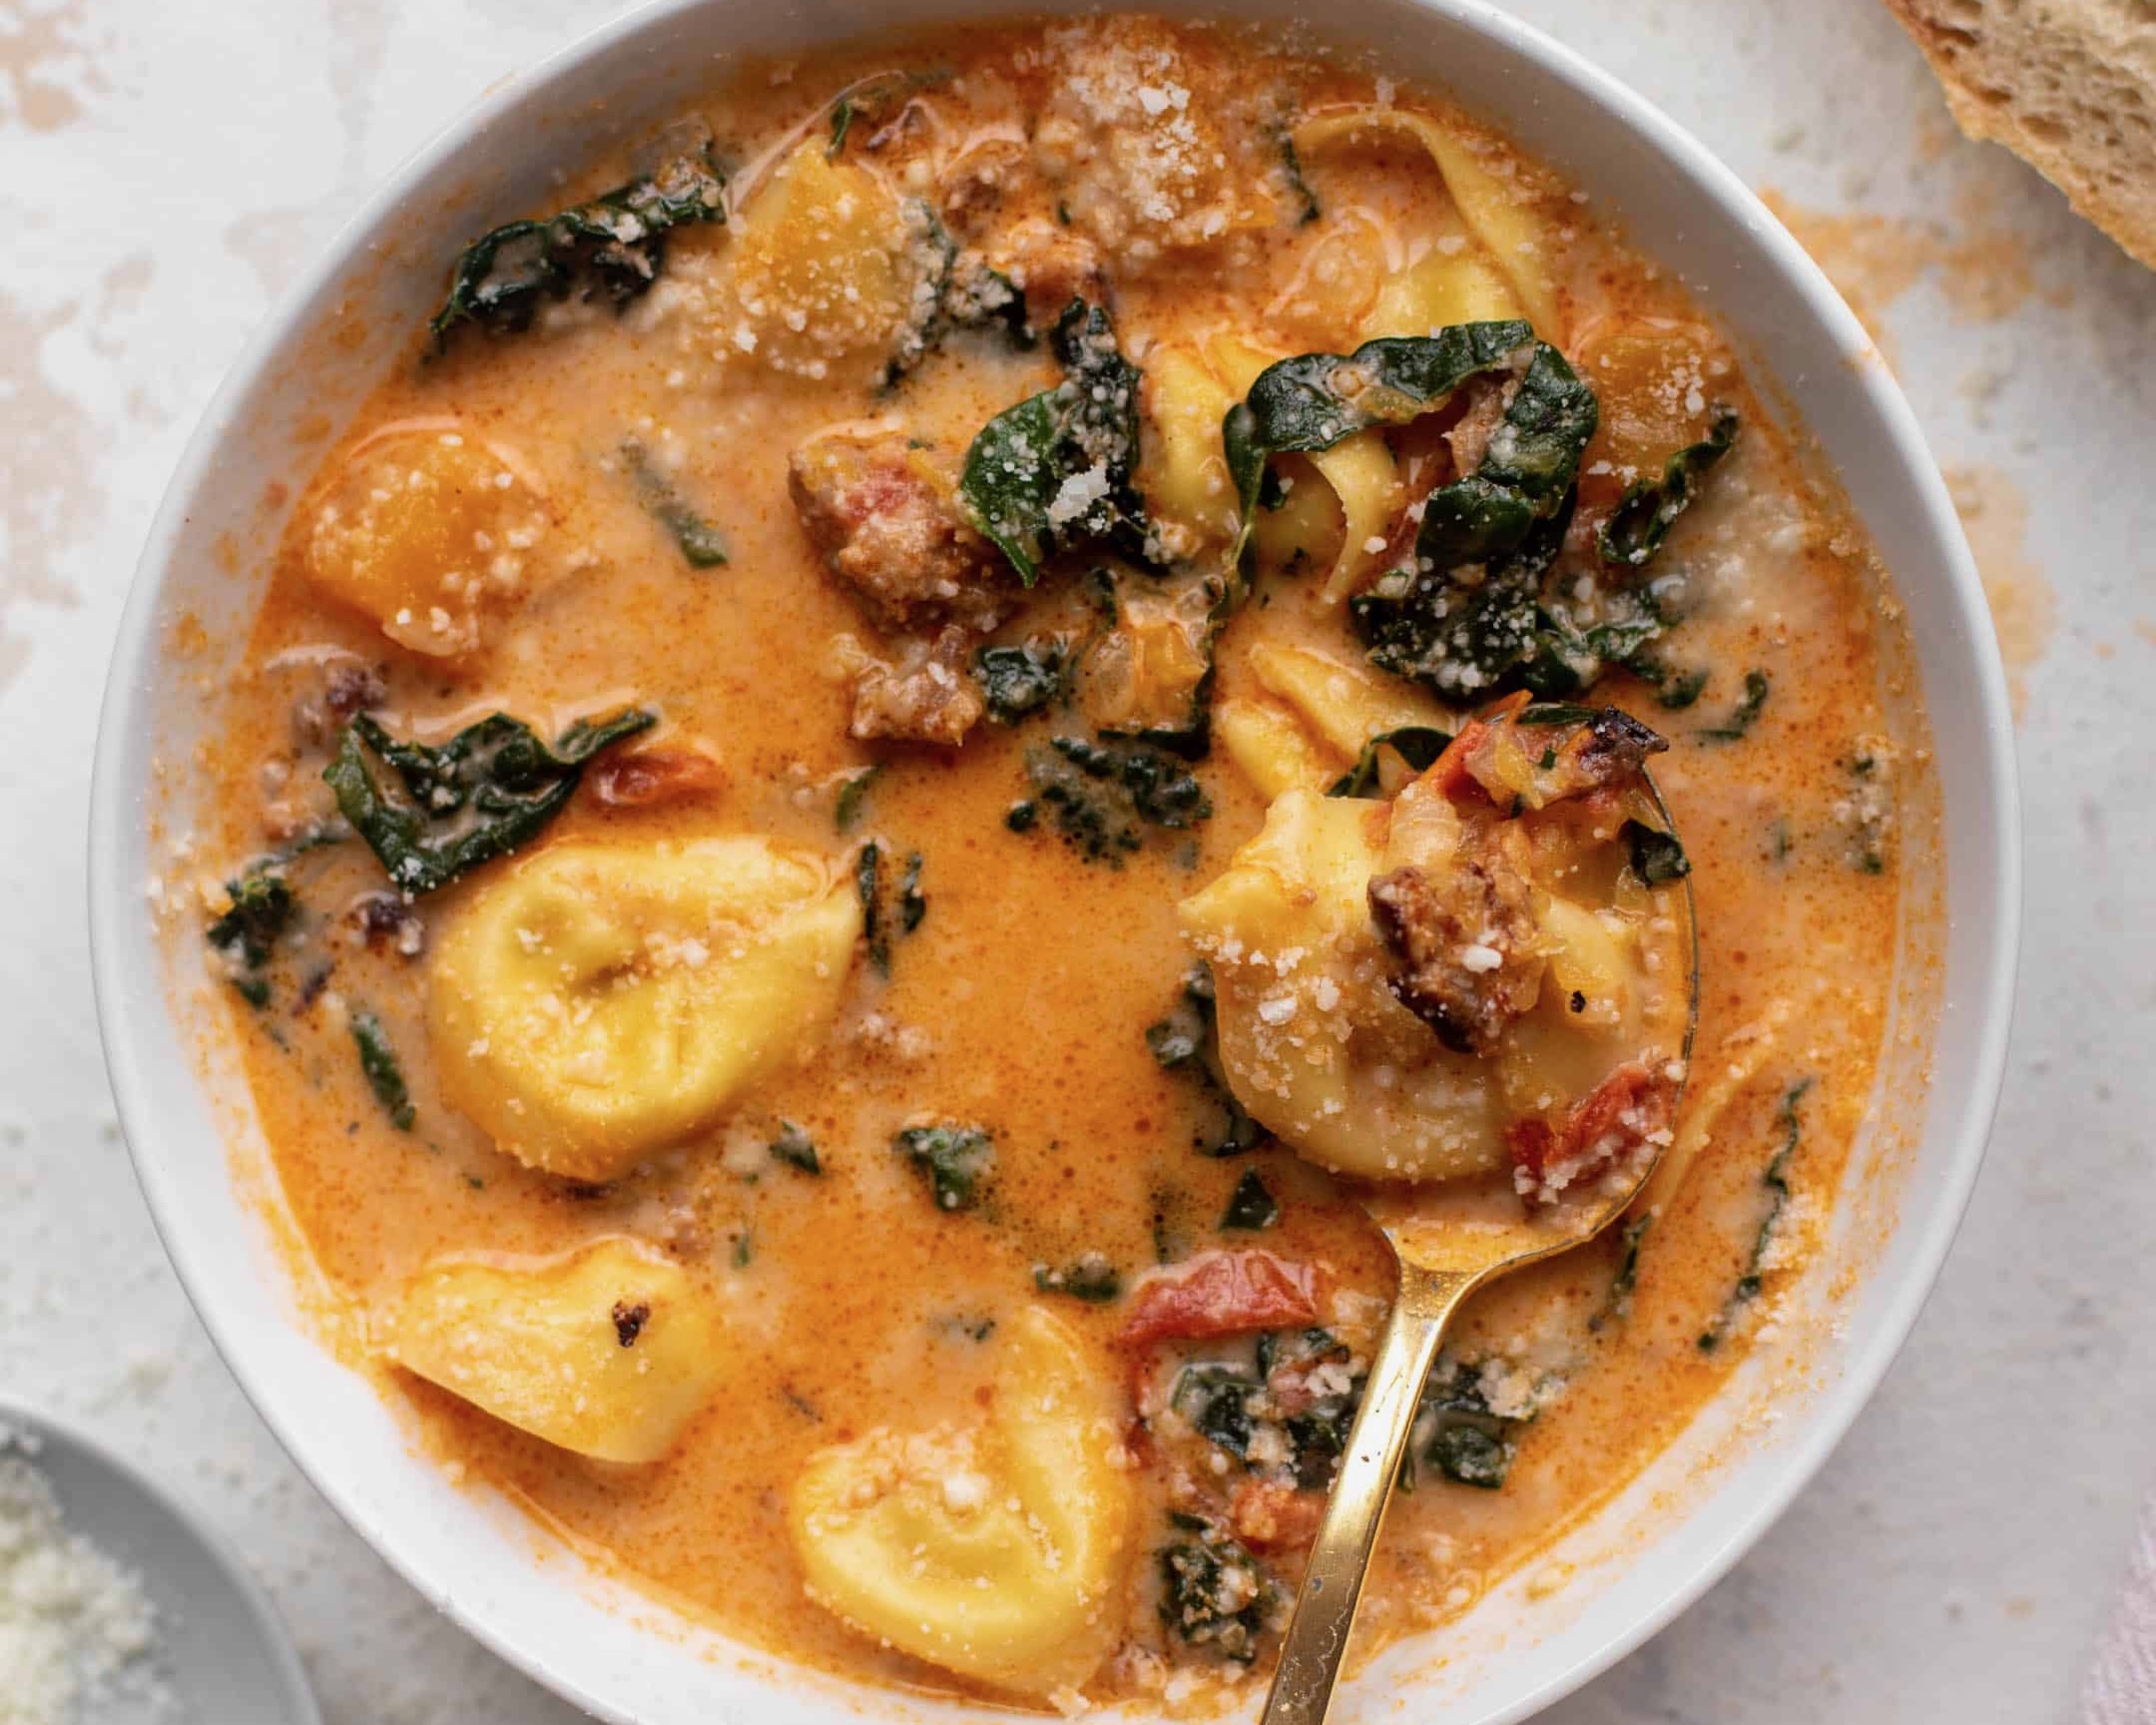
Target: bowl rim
1923, 1240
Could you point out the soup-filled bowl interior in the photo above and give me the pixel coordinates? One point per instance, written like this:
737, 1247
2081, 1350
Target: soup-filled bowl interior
491, 1058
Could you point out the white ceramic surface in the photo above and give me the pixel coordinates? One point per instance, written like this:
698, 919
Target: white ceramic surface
475, 1560
222, 1652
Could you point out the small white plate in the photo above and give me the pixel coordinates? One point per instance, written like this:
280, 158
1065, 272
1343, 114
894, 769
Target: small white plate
220, 1649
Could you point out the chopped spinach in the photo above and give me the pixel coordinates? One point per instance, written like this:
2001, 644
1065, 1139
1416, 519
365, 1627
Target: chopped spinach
912, 902
1214, 1593
1417, 747
1251, 1205
796, 1148
1658, 858
443, 811
1674, 690
1632, 1237
1186, 1040
1021, 679
377, 1059
1465, 1442
1775, 1179
244, 935
1055, 471
957, 1161
867, 885
701, 544
1312, 401
1222, 1403
1105, 796
1308, 209
1643, 516
1091, 1279
850, 796
612, 247
1744, 713
1470, 1456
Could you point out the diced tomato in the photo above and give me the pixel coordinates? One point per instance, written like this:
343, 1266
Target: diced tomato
1222, 1294
1275, 1517
1602, 1128
649, 778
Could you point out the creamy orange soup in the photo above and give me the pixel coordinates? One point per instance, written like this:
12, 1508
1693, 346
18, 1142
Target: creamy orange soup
1029, 768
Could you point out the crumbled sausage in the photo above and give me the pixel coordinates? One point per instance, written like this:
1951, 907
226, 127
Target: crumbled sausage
925, 695
385, 919
1464, 932
886, 514
349, 687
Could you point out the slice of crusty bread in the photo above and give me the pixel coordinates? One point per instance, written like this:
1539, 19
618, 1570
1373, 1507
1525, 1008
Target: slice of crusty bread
2069, 85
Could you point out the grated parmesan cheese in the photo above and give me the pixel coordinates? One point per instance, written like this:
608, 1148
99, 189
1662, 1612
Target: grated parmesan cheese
75, 1628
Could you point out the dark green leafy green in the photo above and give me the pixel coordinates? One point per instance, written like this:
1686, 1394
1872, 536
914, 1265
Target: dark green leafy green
1091, 1279
867, 886
1308, 209
1643, 516
957, 1161
246, 933
377, 1059
1055, 471
1775, 1182
1417, 747
440, 812
850, 796
1215, 1594
1104, 797
701, 544
1630, 1238
612, 248
1745, 713
1251, 1205
1658, 858
1470, 1456
1674, 690
1187, 1041
1465, 1442
1312, 401
796, 1148
912, 902
962, 293
1024, 679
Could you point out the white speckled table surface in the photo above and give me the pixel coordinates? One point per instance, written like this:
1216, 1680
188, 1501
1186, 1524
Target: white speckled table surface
165, 168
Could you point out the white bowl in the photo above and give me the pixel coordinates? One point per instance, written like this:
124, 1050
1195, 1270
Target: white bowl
1642, 1557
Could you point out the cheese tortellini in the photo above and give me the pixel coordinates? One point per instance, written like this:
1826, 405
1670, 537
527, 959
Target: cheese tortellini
997, 1551
425, 530
595, 1003
1314, 717
825, 268
609, 1351
1314, 1044
1494, 210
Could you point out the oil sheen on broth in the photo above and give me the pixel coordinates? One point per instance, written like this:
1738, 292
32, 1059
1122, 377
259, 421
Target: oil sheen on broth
786, 1143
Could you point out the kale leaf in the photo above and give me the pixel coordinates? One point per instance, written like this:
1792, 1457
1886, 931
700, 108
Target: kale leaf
850, 796
377, 1059
244, 935
1021, 679
701, 544
441, 812
1417, 747
962, 293
1055, 471
1214, 1593
1637, 526
1745, 713
867, 886
957, 1161
1251, 1205
1775, 1181
1187, 1040
796, 1148
1104, 796
1091, 1279
1312, 401
614, 248
1658, 858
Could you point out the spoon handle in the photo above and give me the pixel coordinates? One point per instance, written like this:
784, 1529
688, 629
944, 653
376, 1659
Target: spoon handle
1317, 1638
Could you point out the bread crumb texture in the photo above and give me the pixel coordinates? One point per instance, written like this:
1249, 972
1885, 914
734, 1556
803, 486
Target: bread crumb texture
2067, 85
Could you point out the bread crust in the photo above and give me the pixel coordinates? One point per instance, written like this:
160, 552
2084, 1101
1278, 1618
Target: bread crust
2067, 85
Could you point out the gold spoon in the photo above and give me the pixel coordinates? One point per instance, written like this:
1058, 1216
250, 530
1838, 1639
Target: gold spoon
1445, 1254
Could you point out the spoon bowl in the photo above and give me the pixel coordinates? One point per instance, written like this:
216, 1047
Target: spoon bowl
1448, 1241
